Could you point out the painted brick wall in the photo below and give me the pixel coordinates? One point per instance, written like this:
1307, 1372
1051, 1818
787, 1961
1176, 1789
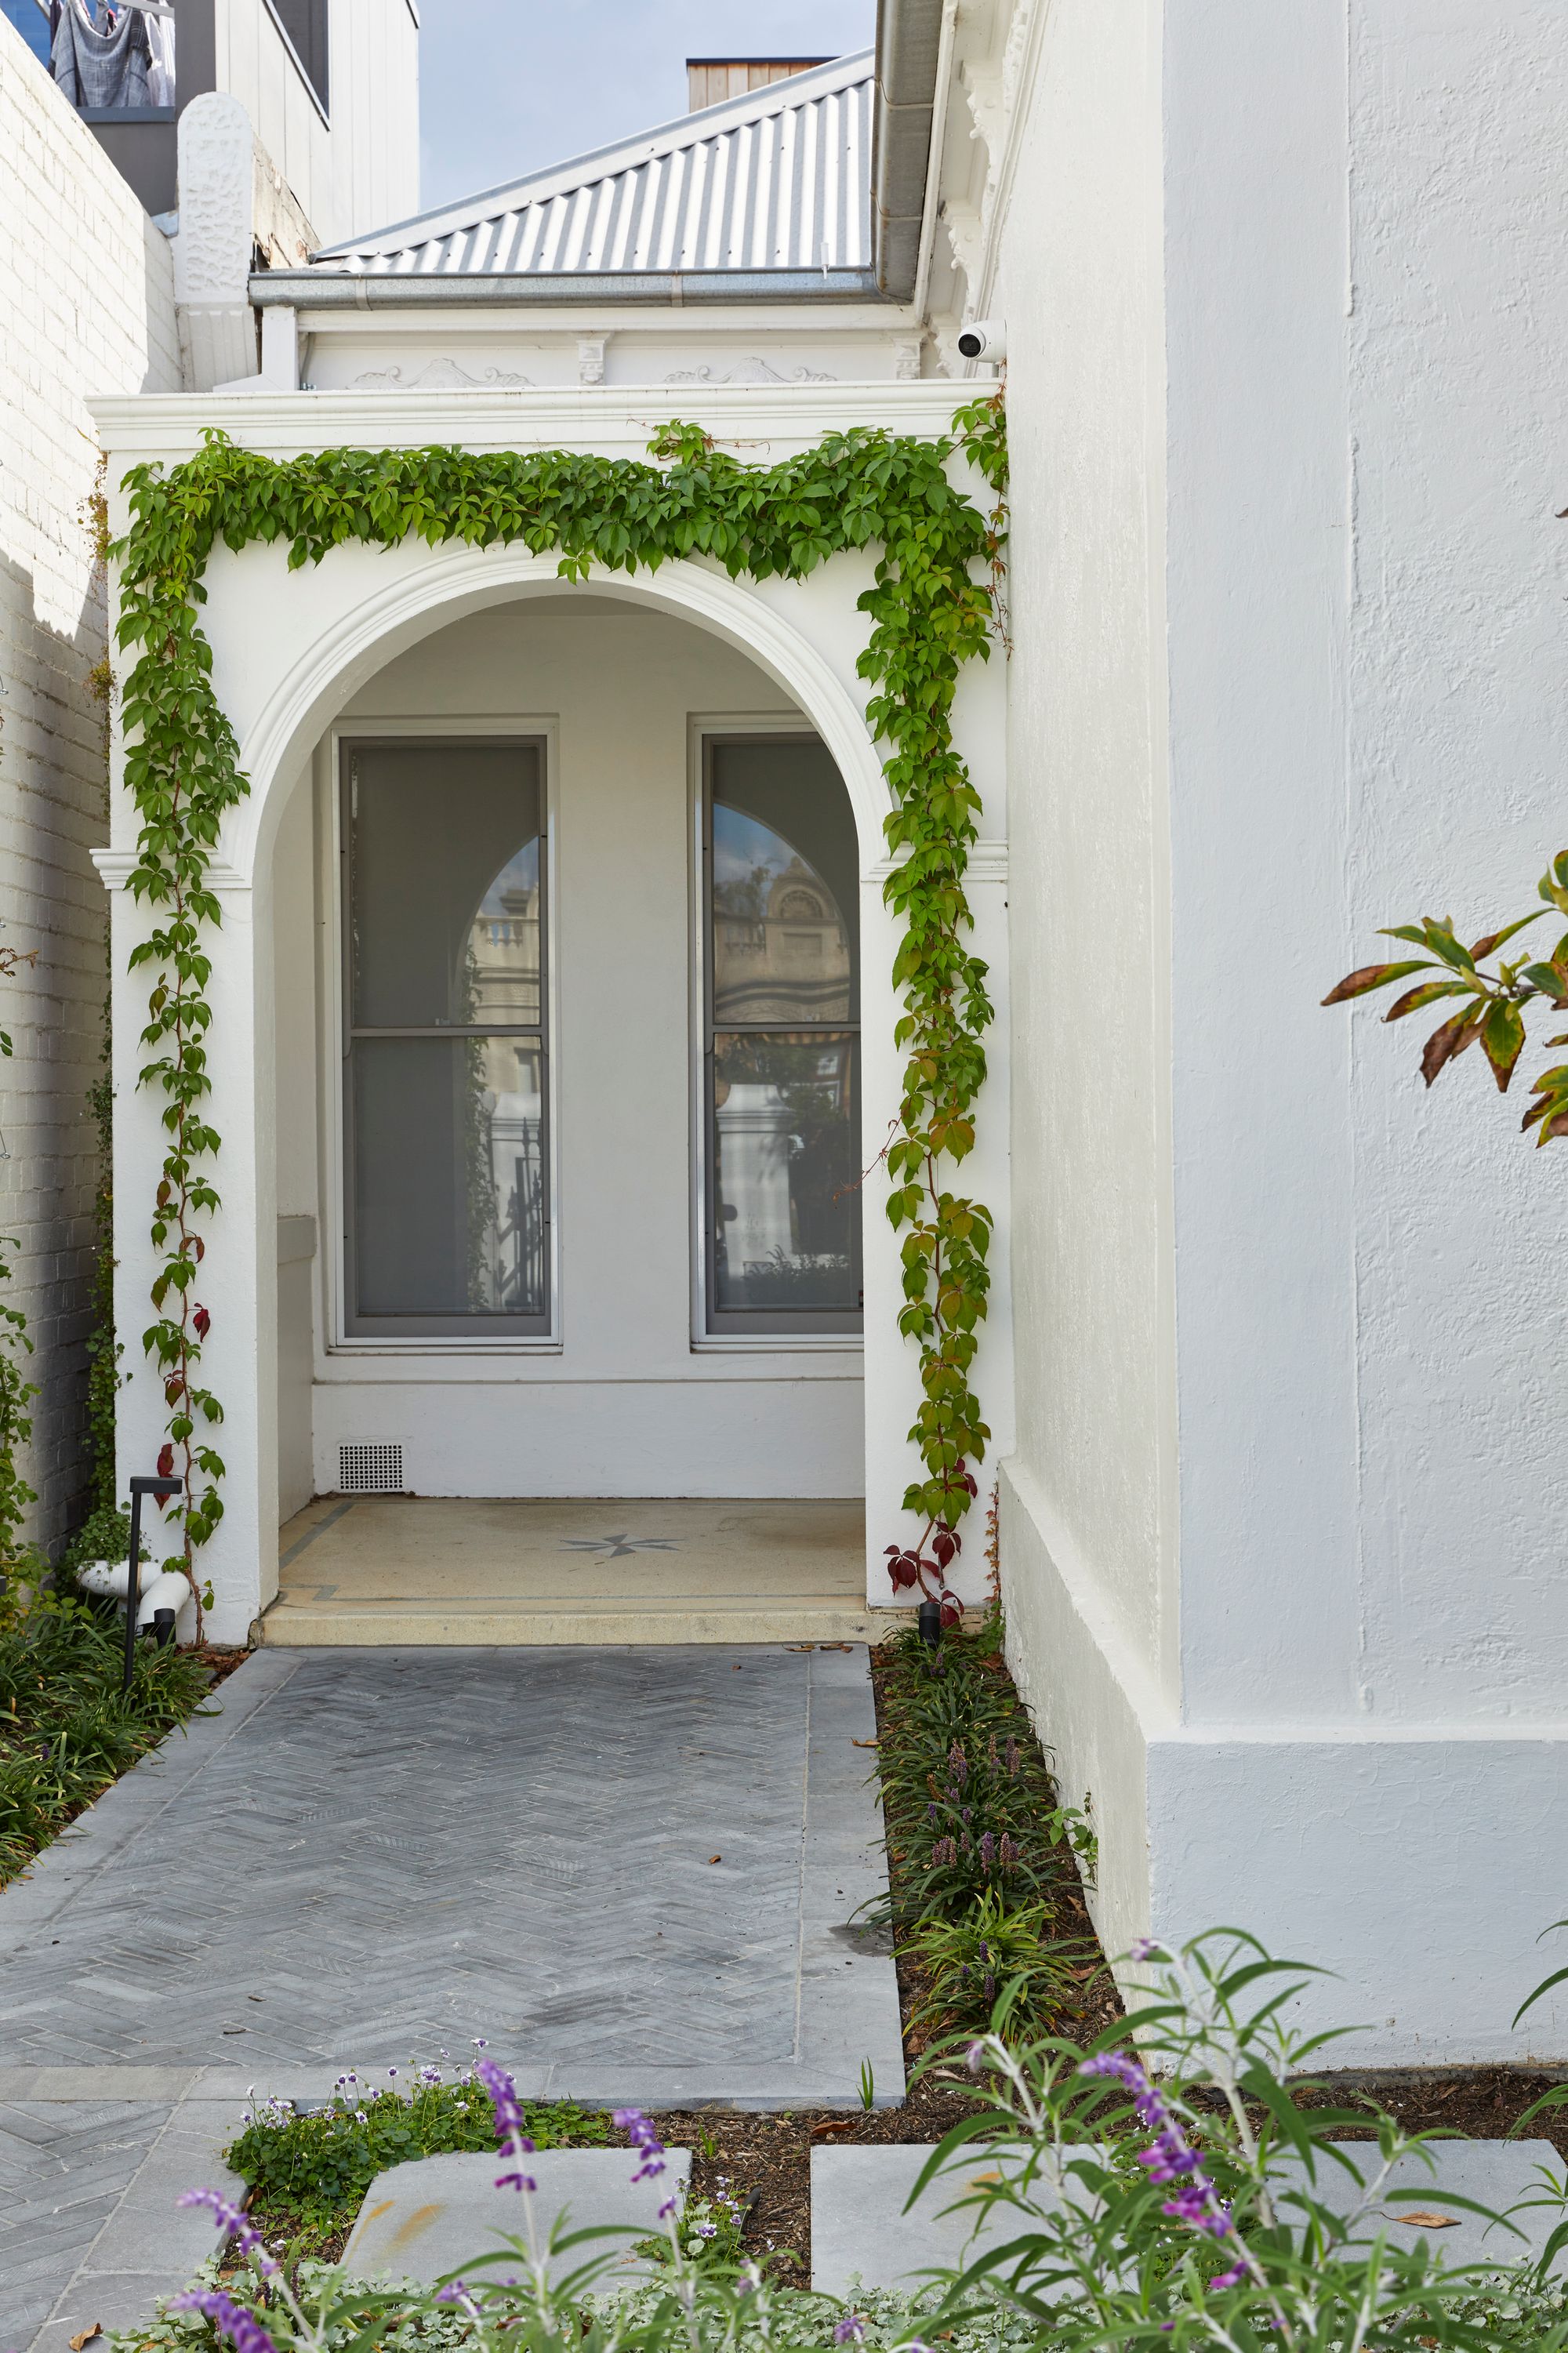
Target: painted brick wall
87, 306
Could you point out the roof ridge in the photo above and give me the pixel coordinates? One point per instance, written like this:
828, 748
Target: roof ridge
643, 146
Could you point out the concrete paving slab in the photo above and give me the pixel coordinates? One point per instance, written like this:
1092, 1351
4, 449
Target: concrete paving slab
860, 2227
433, 2216
859, 2231
1503, 2175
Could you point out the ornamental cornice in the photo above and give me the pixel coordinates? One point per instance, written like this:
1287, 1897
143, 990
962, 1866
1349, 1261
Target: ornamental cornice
115, 868
617, 419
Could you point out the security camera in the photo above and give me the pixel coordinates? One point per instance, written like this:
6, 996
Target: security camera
984, 339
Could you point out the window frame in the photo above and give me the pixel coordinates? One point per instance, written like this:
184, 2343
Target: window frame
444, 1334
769, 1330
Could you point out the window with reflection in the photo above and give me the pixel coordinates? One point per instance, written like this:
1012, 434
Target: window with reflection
446, 1101
781, 940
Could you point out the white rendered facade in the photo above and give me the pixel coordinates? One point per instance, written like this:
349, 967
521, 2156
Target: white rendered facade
1282, 1509
1282, 1530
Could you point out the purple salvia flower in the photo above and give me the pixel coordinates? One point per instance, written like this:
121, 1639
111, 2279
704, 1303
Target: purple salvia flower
974, 2058
233, 2224
242, 2329
643, 2139
1231, 2278
958, 1764
988, 1850
509, 2121
1170, 2156
851, 2330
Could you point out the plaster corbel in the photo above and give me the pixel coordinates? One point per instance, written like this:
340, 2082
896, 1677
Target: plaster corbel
115, 868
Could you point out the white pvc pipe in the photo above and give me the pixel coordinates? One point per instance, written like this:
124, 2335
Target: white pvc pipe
166, 1590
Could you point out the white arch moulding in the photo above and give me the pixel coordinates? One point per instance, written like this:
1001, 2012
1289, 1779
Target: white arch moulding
452, 583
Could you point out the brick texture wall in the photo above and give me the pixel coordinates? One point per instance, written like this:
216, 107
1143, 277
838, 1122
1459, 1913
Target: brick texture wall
87, 306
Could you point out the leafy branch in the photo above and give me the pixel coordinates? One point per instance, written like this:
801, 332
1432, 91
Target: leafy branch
1492, 1010
929, 614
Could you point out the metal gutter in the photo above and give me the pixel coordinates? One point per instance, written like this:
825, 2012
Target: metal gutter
346, 290
909, 51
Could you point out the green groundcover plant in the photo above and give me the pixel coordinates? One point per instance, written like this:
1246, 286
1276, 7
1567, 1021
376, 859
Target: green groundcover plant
314, 2165
66, 1732
1179, 2185
976, 1834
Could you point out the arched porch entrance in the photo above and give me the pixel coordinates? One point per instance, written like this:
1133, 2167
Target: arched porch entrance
565, 933
293, 655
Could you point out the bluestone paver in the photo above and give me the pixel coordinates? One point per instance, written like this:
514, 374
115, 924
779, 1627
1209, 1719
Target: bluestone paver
634, 1871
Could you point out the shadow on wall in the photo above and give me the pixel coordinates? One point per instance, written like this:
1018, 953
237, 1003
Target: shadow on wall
53, 801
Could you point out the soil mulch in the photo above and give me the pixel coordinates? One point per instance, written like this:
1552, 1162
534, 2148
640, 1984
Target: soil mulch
219, 1663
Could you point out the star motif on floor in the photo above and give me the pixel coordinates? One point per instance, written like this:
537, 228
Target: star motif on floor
618, 1547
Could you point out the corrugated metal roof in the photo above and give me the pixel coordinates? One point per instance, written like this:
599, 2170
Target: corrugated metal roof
776, 179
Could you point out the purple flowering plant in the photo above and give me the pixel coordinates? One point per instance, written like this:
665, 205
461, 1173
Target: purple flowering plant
1168, 2184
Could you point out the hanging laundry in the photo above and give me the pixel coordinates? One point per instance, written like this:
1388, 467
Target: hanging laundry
160, 24
107, 68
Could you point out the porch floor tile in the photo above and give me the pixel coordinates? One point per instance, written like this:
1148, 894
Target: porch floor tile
394, 1570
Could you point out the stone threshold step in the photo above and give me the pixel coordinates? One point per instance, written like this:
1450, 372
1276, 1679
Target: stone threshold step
293, 1625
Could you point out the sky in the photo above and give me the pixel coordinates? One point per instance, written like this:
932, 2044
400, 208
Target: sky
511, 85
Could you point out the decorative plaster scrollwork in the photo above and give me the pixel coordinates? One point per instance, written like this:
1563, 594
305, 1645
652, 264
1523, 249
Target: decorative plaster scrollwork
441, 375
749, 371
217, 169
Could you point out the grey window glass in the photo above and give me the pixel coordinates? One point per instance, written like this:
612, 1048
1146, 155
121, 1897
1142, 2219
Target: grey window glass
447, 1211
783, 1114
444, 884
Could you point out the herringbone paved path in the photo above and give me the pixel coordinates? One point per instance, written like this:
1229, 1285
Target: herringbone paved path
63, 2167
631, 1871
595, 1851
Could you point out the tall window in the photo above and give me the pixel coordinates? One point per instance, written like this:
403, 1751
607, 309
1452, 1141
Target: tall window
444, 924
781, 918
305, 25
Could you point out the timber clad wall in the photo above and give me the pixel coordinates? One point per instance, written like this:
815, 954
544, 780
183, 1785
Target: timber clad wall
87, 301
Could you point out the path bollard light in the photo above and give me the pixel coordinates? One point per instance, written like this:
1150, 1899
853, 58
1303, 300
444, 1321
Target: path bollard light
163, 1489
930, 1623
162, 1628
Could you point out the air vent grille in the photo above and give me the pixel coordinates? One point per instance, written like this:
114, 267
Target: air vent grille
372, 1468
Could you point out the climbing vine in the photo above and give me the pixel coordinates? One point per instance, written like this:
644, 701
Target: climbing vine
928, 615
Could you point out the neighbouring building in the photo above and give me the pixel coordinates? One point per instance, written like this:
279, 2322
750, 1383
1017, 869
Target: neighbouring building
98, 292
553, 989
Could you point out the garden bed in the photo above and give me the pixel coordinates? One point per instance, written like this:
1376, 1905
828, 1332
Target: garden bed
66, 1732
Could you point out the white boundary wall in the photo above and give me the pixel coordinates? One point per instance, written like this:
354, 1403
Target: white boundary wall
86, 306
1284, 1535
